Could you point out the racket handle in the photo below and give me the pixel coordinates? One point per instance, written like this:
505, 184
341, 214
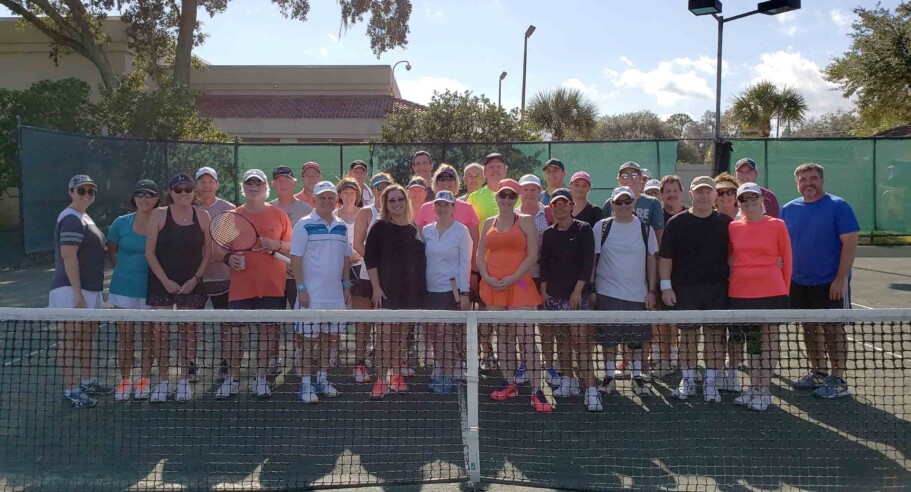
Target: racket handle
455, 291
282, 257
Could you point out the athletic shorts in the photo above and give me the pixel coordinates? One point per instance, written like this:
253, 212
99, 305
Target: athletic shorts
258, 303
183, 301
702, 297
557, 304
311, 330
751, 333
816, 297
362, 288
632, 334
63, 297
440, 301
124, 302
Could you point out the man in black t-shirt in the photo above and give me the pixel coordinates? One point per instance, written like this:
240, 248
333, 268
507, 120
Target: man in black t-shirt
693, 268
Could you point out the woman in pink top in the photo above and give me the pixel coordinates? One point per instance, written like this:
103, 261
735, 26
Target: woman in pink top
760, 256
447, 179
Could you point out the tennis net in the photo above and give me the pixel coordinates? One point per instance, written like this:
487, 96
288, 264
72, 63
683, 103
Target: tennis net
470, 426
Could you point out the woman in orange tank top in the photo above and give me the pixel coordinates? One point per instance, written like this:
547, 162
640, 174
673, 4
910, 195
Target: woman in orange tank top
507, 251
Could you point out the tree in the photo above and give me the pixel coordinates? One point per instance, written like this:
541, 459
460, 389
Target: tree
840, 123
564, 113
62, 104
641, 125
167, 31
679, 122
756, 107
877, 67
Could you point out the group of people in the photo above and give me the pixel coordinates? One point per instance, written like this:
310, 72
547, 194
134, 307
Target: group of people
502, 245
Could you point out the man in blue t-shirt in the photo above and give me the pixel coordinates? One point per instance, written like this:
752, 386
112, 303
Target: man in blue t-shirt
823, 230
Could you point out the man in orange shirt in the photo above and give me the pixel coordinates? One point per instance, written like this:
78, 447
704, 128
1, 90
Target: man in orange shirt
257, 278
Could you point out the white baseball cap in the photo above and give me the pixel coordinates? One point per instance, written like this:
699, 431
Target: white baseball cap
620, 191
749, 188
529, 179
323, 187
206, 170
652, 184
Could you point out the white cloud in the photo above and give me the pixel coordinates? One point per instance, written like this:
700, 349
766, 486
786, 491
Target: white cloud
433, 14
626, 60
704, 64
670, 82
332, 37
323, 52
787, 24
589, 90
792, 69
421, 90
842, 20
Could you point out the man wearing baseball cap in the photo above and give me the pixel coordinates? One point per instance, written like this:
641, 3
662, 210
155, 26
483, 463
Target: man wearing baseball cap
422, 165
216, 279
484, 200
648, 208
693, 271
310, 175
747, 172
358, 171
321, 262
554, 174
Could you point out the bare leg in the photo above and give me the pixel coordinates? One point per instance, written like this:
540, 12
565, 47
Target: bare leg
149, 349
581, 337
163, 345
769, 340
525, 334
126, 345
814, 342
836, 343
186, 347
267, 333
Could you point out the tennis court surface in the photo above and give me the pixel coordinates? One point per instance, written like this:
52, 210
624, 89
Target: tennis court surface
862, 441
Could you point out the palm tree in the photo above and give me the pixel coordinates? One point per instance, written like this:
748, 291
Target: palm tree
791, 107
563, 112
754, 108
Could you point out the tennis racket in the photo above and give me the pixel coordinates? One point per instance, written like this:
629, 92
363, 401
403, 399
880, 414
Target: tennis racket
235, 233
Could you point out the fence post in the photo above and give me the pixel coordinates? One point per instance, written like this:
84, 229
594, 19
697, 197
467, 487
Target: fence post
341, 160
875, 196
658, 157
472, 428
236, 171
765, 157
21, 182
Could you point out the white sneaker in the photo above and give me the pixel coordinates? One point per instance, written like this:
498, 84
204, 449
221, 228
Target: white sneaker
261, 387
123, 391
608, 386
684, 390
160, 393
745, 397
729, 382
568, 387
710, 392
641, 387
184, 392
307, 395
760, 402
226, 389
325, 388
592, 400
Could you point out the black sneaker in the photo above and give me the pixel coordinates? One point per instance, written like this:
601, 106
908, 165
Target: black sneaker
78, 399
95, 389
192, 372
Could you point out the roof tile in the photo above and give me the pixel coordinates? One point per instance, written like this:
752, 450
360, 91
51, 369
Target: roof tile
217, 106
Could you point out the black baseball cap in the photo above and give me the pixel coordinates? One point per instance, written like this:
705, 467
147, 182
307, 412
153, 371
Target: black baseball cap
179, 179
561, 194
358, 163
282, 171
492, 156
554, 162
145, 185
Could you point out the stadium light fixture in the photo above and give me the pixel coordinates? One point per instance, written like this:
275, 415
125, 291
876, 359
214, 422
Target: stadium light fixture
500, 91
774, 7
528, 33
705, 7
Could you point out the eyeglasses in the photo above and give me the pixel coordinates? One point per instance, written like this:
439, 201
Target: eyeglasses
727, 192
628, 201
182, 189
629, 175
380, 187
144, 194
508, 196
560, 203
90, 191
446, 177
253, 182
752, 197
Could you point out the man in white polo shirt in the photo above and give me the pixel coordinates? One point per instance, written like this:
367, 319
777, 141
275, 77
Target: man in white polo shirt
320, 262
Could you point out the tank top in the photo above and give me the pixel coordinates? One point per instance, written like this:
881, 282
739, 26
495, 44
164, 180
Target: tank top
374, 215
505, 250
179, 248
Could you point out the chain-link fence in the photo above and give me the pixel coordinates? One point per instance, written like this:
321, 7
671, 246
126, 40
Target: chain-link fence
874, 175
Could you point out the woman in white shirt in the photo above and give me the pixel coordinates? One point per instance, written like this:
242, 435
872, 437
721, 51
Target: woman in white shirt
448, 246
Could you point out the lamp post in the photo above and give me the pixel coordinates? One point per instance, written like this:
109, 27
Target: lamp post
713, 8
528, 33
500, 91
407, 67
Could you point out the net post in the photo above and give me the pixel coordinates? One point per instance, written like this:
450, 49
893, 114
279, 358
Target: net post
473, 444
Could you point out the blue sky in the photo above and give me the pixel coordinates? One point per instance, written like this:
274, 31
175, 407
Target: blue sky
651, 55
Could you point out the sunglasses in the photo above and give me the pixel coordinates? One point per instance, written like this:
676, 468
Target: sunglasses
446, 177
560, 203
90, 191
253, 182
508, 196
629, 175
380, 187
144, 194
748, 198
182, 189
628, 201
727, 192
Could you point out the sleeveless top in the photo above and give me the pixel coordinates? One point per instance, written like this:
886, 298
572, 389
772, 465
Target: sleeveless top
505, 252
179, 249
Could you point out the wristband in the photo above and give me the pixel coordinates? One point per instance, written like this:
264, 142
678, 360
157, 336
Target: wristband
198, 278
665, 284
225, 259
302, 287
346, 284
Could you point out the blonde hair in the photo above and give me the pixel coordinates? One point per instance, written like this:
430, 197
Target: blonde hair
433, 180
727, 178
384, 214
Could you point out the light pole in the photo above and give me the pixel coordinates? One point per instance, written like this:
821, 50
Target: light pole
500, 91
528, 33
407, 67
713, 8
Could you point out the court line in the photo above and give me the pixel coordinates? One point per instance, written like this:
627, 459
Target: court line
870, 345
32, 354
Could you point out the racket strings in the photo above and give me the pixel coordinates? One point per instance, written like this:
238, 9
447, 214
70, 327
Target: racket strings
234, 232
